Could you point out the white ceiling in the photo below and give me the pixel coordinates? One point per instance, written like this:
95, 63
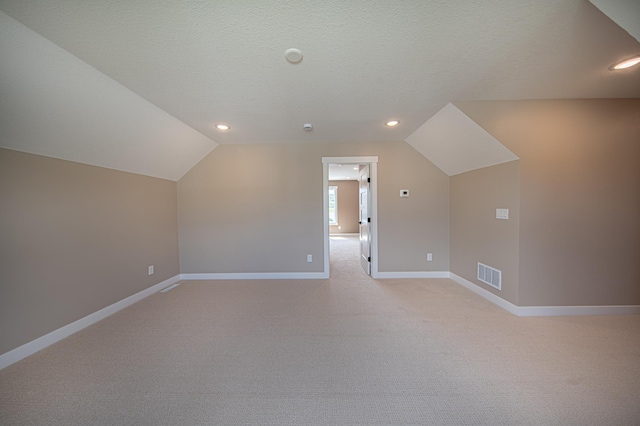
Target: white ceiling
457, 144
140, 85
625, 13
54, 104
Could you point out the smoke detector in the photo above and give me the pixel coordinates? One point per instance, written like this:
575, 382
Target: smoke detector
307, 126
293, 55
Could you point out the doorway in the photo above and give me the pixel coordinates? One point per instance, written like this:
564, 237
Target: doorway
367, 210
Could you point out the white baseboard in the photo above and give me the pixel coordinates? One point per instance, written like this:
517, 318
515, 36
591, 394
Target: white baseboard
546, 311
551, 311
258, 276
40, 343
415, 274
496, 300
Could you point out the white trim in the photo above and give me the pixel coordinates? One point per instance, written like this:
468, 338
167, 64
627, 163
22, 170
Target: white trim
325, 216
551, 311
372, 161
257, 276
496, 300
373, 228
415, 274
171, 287
546, 311
40, 343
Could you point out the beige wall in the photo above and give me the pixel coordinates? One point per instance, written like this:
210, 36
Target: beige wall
348, 215
258, 208
476, 234
579, 197
76, 238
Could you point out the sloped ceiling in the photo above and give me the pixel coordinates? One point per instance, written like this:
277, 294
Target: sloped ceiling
192, 64
625, 13
56, 105
456, 144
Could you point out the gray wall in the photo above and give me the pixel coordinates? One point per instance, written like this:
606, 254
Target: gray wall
579, 197
76, 238
258, 208
476, 234
348, 207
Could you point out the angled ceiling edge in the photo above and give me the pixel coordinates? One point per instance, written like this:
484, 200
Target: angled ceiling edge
457, 144
56, 105
625, 13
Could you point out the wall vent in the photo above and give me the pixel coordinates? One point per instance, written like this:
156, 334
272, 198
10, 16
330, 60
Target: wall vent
490, 276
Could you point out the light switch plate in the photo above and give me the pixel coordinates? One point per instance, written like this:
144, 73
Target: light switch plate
502, 213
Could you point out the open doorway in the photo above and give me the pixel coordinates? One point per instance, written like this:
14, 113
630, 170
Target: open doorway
350, 212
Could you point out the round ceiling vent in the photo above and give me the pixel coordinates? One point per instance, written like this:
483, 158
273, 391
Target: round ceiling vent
293, 55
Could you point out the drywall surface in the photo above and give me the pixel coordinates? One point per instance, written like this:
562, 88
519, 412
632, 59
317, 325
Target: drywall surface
477, 235
258, 208
579, 197
76, 238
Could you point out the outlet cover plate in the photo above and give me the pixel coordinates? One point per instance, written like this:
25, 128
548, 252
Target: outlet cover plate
502, 213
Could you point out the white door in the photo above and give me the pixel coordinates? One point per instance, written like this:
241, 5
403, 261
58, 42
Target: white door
365, 220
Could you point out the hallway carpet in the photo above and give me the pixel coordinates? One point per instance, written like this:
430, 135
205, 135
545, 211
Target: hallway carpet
346, 351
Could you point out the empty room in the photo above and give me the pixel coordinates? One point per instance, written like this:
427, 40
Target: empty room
313, 213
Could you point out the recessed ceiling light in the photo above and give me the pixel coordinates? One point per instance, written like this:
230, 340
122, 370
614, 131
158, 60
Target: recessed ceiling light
627, 63
392, 123
355, 168
222, 127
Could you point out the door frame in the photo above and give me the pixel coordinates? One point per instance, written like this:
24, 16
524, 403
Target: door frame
372, 161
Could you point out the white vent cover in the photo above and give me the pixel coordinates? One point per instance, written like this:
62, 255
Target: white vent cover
490, 276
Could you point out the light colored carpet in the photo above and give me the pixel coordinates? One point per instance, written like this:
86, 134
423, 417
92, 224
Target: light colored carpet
347, 351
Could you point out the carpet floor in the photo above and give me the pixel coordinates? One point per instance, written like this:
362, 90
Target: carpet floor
346, 351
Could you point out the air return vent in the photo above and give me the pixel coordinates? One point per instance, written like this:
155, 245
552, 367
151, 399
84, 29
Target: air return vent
490, 276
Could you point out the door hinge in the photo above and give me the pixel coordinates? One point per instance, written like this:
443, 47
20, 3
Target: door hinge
369, 219
369, 259
369, 180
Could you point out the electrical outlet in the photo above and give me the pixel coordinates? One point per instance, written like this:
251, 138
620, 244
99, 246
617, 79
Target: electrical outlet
429, 257
309, 258
150, 270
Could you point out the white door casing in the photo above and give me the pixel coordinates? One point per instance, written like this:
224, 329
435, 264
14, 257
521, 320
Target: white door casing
364, 219
372, 162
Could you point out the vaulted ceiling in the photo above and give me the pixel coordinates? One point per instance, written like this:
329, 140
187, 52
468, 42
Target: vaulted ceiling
140, 85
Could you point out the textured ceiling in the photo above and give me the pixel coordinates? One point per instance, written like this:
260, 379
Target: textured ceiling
625, 13
205, 62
